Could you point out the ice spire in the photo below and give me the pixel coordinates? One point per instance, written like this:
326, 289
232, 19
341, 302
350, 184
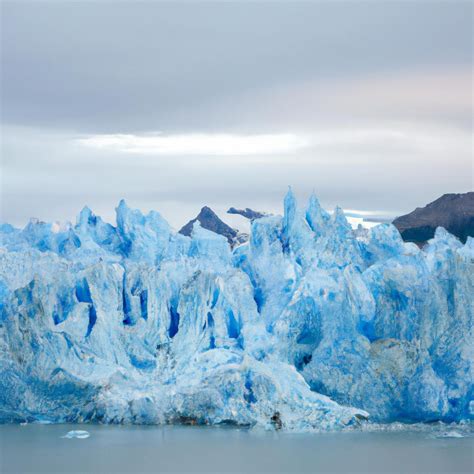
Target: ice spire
316, 216
288, 217
339, 221
85, 217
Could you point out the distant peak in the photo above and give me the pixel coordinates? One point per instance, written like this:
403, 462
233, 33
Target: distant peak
207, 211
247, 212
209, 220
453, 211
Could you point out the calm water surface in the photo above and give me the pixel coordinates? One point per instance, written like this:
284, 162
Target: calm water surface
139, 449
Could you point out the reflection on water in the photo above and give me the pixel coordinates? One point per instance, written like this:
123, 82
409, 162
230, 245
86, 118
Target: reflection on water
140, 449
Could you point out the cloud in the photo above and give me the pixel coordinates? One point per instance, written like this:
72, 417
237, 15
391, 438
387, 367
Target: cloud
432, 96
395, 137
163, 65
380, 121
197, 143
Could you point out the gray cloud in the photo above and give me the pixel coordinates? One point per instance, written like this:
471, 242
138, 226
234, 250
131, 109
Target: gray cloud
121, 66
383, 92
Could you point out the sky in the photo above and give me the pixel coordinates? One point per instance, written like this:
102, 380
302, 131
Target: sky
174, 106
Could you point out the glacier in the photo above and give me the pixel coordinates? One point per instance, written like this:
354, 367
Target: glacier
310, 325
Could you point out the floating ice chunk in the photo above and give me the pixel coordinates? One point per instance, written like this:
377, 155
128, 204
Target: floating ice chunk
79, 434
450, 434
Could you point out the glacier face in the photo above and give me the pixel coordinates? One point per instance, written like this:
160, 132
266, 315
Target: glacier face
310, 325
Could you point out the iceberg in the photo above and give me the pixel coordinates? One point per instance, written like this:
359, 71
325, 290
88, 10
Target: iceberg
310, 325
79, 434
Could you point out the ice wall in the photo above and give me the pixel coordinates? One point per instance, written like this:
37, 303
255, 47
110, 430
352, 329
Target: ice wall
139, 324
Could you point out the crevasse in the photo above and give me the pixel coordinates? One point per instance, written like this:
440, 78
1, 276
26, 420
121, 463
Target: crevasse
310, 325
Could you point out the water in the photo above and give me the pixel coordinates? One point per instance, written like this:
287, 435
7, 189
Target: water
144, 449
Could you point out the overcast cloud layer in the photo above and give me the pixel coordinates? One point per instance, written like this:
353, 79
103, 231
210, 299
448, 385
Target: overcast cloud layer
178, 105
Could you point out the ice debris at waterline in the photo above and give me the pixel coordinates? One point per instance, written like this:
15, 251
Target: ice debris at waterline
309, 325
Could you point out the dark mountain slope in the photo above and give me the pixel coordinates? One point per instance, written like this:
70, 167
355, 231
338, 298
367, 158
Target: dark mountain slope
454, 212
247, 212
210, 221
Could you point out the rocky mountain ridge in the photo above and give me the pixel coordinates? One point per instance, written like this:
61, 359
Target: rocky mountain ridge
454, 212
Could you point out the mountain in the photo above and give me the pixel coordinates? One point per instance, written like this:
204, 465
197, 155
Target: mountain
454, 212
247, 212
210, 220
